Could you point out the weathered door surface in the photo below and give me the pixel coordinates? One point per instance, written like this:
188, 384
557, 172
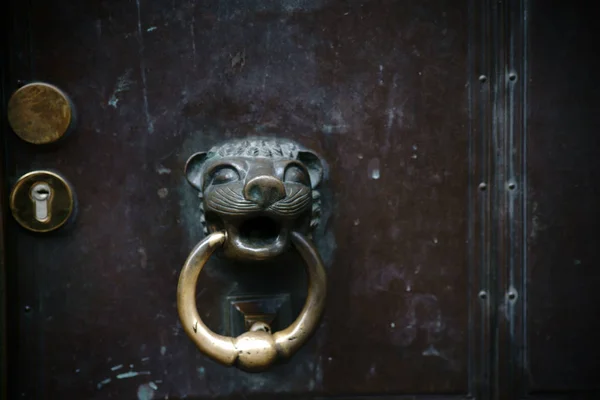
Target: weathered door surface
459, 204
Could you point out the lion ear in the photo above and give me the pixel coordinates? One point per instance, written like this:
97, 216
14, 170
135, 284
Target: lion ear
314, 165
193, 169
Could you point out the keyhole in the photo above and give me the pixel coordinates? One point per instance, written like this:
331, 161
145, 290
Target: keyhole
41, 195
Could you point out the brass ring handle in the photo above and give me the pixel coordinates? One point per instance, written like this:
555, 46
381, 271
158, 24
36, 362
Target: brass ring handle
257, 349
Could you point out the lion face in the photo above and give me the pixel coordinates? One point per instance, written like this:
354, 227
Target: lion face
258, 191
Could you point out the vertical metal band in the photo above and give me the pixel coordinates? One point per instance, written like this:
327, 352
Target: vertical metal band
480, 179
511, 199
497, 194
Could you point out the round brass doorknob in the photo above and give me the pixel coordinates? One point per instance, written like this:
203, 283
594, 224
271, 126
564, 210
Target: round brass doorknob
257, 349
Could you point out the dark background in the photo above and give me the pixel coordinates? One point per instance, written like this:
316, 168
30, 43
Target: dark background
459, 229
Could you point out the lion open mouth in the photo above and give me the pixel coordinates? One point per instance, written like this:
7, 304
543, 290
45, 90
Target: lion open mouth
258, 237
259, 231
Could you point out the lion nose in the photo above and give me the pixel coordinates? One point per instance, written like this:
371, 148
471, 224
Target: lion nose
264, 190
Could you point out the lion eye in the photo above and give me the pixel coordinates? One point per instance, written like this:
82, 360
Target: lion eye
225, 175
296, 174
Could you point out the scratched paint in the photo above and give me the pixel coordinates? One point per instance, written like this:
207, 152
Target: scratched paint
103, 383
123, 84
146, 391
140, 37
132, 374
374, 169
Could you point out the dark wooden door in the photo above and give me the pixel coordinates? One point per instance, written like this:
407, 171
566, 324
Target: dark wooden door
460, 206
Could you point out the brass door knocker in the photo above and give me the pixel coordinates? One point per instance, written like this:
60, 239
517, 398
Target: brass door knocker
258, 198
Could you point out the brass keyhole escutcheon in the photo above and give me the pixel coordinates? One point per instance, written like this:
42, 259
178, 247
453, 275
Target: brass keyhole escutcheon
42, 201
40, 113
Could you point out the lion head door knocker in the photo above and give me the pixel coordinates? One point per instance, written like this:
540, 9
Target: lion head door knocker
259, 199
